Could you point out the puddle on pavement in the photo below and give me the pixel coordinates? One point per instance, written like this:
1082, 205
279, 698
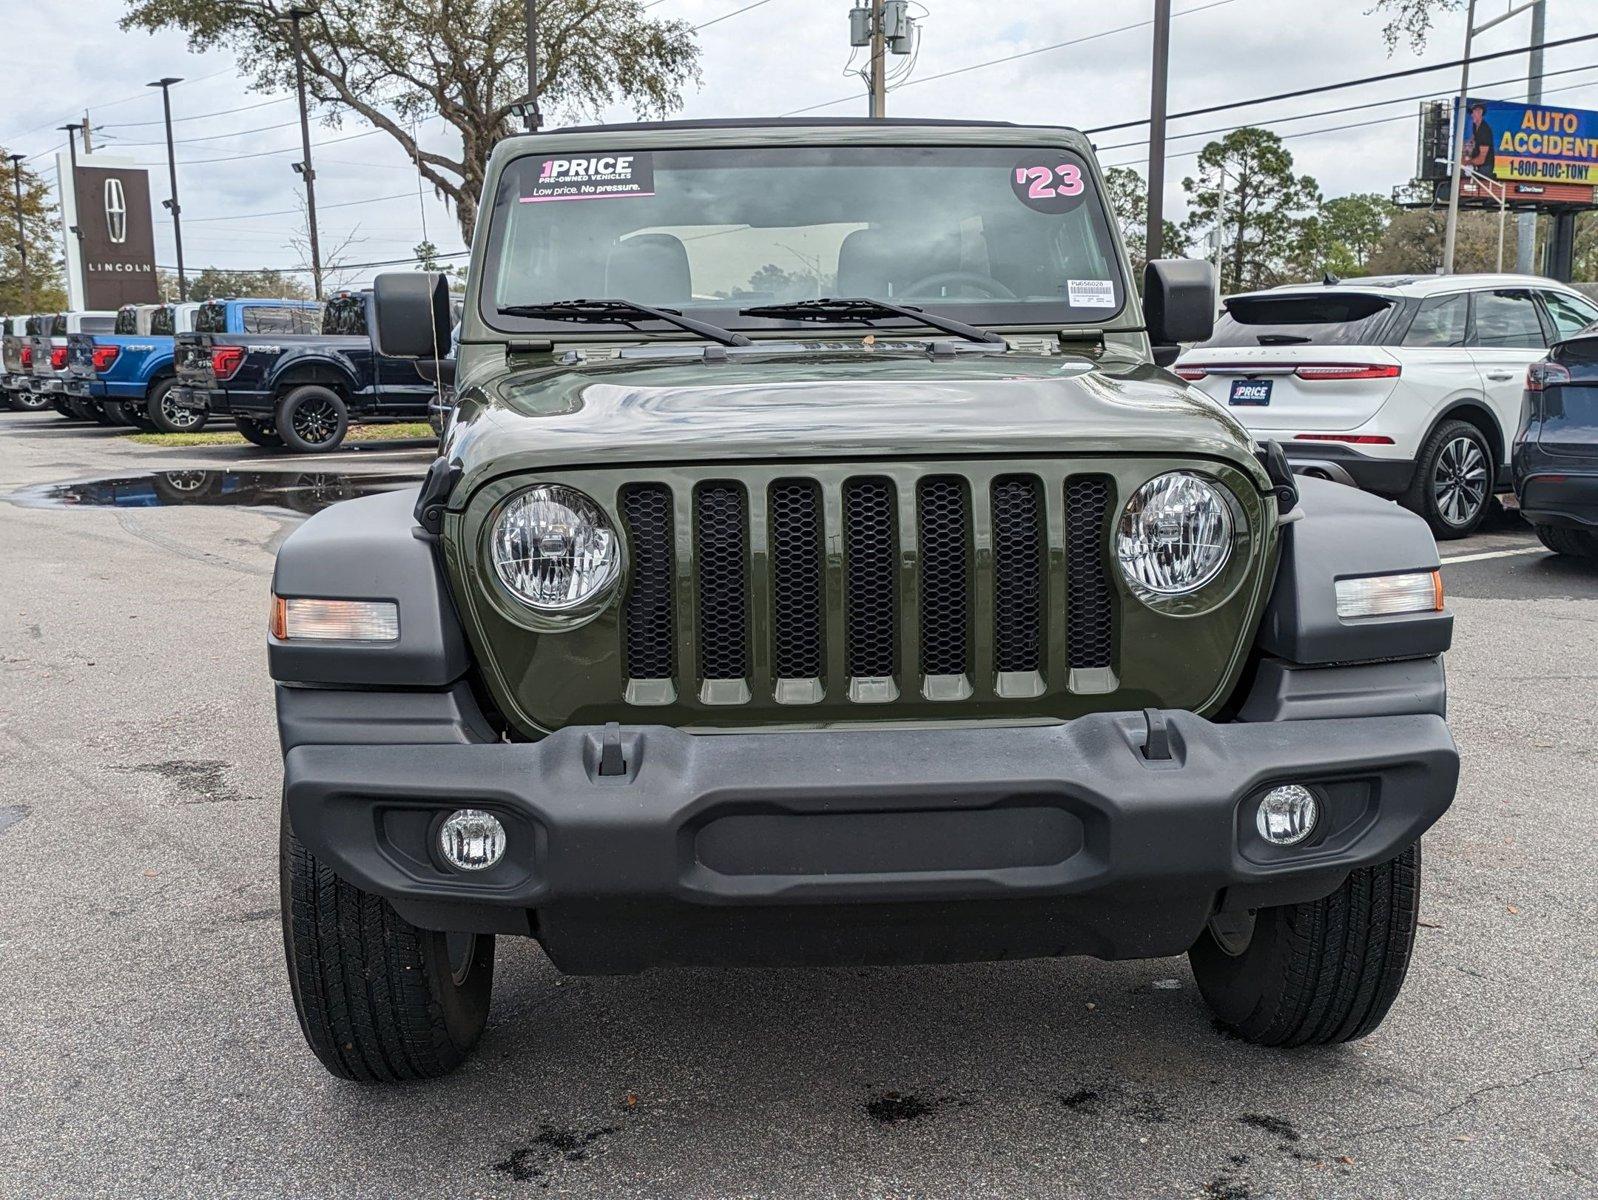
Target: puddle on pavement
296, 491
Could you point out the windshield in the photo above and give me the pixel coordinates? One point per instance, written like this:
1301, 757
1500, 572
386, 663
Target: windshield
987, 235
1316, 318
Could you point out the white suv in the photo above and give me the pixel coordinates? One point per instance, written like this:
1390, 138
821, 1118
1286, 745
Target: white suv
1405, 386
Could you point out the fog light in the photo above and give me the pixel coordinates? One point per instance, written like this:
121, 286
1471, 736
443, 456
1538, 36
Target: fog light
1287, 815
471, 840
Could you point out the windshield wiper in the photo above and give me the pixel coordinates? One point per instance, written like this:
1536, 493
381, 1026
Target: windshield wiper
624, 312
867, 311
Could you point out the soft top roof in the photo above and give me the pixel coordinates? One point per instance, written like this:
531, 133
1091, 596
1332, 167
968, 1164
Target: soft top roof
772, 123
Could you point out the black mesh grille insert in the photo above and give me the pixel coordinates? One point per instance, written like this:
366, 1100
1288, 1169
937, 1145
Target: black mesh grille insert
1017, 574
1090, 621
647, 612
796, 595
943, 524
871, 552
721, 564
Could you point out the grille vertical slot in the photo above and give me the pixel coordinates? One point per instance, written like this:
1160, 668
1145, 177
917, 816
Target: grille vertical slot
871, 552
1018, 573
721, 566
1090, 603
943, 529
648, 619
797, 612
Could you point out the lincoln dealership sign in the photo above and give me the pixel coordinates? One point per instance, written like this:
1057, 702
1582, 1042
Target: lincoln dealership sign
110, 238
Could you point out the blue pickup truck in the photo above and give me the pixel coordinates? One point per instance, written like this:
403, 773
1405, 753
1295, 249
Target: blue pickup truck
130, 373
301, 391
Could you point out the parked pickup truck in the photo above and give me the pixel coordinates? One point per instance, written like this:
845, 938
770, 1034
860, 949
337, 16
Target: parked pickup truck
48, 360
301, 390
131, 373
16, 381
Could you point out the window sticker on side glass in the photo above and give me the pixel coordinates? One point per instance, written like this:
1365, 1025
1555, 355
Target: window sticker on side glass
1090, 293
593, 177
1048, 183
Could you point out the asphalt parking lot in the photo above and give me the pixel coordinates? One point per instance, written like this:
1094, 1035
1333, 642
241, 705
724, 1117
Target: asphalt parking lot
149, 1048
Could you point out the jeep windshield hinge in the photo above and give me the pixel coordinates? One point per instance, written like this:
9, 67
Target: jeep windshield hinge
1274, 459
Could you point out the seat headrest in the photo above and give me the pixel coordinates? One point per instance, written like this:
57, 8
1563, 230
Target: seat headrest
649, 268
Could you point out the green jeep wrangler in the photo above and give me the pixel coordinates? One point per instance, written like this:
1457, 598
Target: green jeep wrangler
822, 567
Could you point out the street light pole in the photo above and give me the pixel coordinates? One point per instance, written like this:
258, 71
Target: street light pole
172, 174
1154, 241
22, 237
295, 16
534, 117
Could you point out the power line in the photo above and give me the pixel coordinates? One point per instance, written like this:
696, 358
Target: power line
729, 16
112, 104
1332, 112
221, 112
1350, 125
1347, 83
993, 62
286, 212
213, 137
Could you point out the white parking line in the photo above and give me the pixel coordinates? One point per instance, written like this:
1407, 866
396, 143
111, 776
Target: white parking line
1486, 554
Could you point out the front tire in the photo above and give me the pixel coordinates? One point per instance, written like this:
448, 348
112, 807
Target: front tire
1453, 484
312, 419
1575, 543
169, 417
29, 402
259, 433
378, 1000
1315, 973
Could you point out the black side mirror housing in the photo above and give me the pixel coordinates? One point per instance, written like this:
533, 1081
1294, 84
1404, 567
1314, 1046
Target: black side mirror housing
411, 315
1179, 301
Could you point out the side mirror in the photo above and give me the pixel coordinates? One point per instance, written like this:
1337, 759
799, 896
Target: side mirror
410, 315
1179, 301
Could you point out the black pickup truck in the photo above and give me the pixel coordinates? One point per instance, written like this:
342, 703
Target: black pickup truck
300, 391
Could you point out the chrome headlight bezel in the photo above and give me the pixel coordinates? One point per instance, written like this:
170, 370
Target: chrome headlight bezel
1215, 581
565, 613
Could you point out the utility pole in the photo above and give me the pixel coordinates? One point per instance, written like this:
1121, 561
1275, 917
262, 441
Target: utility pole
1220, 223
1456, 150
88, 146
1526, 222
1154, 241
534, 117
879, 61
172, 173
22, 237
304, 168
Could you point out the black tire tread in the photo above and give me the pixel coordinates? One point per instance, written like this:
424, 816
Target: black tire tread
1419, 498
361, 979
1325, 971
1576, 543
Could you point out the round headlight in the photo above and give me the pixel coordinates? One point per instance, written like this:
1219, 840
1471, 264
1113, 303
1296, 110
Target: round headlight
554, 548
1176, 534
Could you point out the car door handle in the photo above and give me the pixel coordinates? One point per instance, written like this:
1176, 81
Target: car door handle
1500, 376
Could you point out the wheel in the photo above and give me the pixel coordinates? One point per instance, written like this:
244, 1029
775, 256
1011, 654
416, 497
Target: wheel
1453, 480
139, 417
115, 414
379, 1000
1577, 543
97, 413
260, 433
77, 408
312, 419
168, 417
29, 401
1315, 973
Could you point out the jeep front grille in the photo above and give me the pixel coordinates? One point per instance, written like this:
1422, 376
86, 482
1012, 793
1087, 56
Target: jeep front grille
865, 586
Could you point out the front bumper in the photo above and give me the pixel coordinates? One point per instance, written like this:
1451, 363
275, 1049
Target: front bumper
892, 845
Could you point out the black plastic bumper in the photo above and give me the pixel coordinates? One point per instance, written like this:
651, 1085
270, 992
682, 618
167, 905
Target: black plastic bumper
870, 846
1344, 464
1566, 497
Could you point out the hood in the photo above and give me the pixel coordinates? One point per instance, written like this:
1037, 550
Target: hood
867, 406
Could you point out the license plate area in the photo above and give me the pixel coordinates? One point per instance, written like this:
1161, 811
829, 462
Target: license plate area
1250, 393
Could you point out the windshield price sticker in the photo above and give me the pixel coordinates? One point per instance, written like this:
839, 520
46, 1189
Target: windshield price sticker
1048, 184
1090, 293
593, 177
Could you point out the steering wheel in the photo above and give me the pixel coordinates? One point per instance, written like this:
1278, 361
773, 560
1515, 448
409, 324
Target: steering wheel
988, 287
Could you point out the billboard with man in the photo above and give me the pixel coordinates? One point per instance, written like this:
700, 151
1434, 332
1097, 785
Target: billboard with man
1512, 141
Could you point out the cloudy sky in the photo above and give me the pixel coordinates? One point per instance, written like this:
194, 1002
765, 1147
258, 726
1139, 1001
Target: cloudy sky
775, 58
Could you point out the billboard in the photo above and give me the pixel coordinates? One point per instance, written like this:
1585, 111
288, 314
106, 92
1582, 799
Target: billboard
110, 235
1529, 143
